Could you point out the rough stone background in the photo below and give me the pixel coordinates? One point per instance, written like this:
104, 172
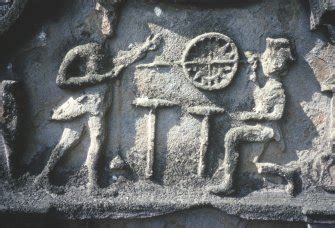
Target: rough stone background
197, 218
32, 50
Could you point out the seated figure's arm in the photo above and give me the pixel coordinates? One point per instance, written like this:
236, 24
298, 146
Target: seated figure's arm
276, 114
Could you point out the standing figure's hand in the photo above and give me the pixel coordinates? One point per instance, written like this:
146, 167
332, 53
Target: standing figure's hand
117, 70
152, 42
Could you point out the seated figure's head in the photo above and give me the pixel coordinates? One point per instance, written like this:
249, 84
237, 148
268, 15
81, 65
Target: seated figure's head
277, 56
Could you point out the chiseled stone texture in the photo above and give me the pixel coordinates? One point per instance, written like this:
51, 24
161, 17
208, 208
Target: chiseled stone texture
143, 108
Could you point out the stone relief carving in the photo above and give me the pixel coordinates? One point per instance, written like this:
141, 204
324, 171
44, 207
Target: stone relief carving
269, 107
202, 67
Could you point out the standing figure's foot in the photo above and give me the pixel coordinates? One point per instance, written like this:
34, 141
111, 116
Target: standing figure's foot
226, 188
41, 181
93, 189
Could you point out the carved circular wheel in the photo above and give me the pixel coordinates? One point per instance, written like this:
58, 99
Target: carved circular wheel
210, 61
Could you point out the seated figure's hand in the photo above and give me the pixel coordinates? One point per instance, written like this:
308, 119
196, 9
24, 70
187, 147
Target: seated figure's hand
244, 115
253, 77
250, 116
117, 70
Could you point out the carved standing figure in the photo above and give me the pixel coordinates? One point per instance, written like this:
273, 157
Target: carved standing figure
262, 123
94, 103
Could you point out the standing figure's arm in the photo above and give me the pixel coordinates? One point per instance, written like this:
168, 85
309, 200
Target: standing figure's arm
87, 56
91, 54
138, 52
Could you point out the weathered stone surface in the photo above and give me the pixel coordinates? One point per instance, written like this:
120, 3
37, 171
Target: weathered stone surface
323, 15
143, 108
10, 10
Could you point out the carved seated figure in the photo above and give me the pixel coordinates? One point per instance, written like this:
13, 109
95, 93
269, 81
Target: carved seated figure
94, 103
262, 123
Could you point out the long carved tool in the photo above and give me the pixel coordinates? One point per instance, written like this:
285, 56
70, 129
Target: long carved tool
153, 105
206, 112
331, 88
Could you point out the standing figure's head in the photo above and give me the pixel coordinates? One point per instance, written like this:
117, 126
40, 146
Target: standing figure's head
277, 56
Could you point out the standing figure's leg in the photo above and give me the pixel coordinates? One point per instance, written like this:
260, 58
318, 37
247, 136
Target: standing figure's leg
96, 125
256, 133
69, 140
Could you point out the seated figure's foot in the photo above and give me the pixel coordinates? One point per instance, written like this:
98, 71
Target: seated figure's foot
226, 188
290, 174
290, 189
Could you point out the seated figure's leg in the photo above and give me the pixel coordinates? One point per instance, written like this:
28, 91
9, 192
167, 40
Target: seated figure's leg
256, 133
97, 135
69, 140
279, 138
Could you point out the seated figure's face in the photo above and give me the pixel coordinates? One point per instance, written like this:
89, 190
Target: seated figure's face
277, 56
